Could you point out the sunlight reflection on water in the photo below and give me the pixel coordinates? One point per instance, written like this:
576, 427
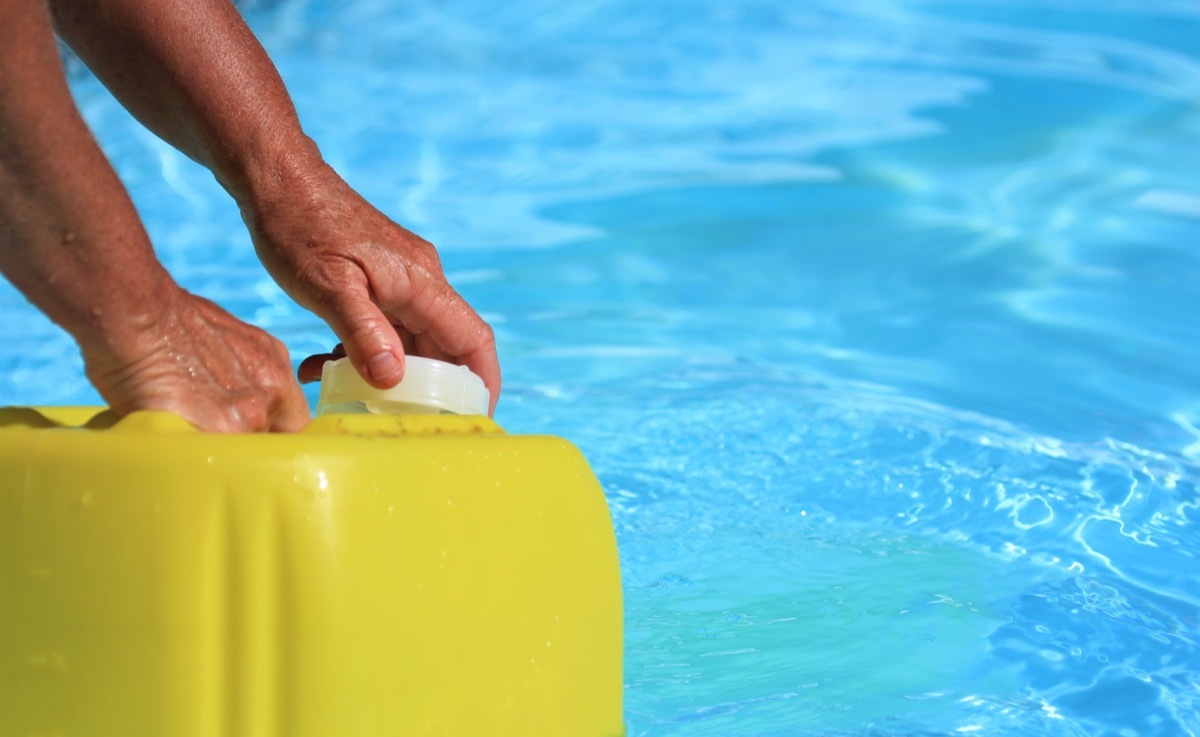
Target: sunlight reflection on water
872, 318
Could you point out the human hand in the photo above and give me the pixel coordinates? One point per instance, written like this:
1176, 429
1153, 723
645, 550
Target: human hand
380, 287
200, 362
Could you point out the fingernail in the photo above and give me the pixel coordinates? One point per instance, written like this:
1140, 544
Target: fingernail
383, 366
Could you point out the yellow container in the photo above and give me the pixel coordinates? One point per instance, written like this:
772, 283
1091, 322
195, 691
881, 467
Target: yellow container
370, 576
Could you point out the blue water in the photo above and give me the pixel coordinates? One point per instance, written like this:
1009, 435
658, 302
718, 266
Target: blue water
879, 322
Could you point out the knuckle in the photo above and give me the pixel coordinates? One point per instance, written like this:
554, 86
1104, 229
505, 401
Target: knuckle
273, 379
487, 333
249, 412
281, 351
329, 275
425, 254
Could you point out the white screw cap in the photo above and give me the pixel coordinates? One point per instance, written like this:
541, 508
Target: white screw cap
428, 387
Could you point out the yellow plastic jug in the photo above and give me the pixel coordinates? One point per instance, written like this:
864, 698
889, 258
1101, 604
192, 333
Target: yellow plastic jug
370, 576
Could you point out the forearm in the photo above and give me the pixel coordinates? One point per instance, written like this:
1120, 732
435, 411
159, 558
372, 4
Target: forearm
192, 72
70, 239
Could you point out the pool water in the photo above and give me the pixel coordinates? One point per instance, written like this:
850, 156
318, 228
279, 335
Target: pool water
878, 321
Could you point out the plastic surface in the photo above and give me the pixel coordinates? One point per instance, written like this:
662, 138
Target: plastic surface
428, 386
371, 576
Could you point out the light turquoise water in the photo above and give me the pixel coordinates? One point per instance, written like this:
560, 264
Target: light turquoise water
877, 321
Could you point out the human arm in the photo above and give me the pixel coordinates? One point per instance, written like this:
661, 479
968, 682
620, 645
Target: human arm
71, 242
193, 72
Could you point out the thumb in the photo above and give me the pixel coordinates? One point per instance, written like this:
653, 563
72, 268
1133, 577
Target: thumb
370, 341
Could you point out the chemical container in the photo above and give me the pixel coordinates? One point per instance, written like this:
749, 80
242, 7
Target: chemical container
371, 576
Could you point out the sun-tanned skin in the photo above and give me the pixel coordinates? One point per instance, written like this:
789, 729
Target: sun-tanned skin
70, 240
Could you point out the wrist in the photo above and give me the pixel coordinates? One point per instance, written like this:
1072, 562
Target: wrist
279, 168
123, 318
92, 272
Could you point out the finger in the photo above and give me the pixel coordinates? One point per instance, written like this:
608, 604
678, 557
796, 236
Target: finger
288, 409
483, 362
370, 341
487, 366
407, 339
310, 368
443, 317
424, 345
291, 412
